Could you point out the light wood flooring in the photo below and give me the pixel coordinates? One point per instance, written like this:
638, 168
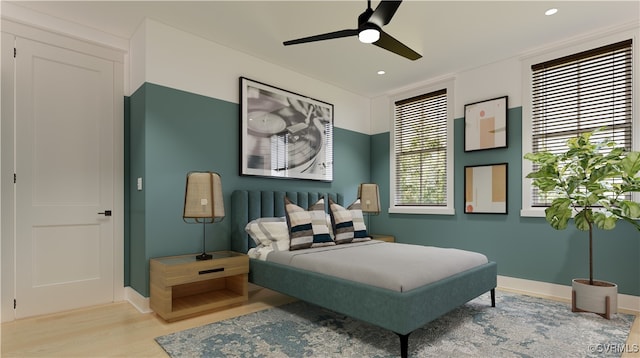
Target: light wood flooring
119, 330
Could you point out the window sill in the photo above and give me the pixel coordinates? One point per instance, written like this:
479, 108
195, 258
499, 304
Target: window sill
421, 210
533, 212
539, 212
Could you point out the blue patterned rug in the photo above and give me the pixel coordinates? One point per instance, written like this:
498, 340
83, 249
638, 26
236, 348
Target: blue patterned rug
519, 326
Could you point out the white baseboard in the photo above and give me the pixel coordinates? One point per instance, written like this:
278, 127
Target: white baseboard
559, 292
138, 301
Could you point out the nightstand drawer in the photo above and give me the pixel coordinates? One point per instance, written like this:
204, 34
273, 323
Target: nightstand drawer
204, 270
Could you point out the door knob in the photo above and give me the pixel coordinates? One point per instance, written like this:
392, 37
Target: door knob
106, 213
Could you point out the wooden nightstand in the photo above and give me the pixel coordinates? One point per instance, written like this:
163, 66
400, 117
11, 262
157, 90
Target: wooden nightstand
387, 238
181, 286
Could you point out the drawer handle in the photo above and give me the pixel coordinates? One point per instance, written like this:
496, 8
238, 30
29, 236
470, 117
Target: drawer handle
204, 272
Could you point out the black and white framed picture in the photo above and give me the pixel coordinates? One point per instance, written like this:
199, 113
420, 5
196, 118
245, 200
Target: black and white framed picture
284, 134
485, 124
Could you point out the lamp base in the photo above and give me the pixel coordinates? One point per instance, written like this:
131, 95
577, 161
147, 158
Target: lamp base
204, 256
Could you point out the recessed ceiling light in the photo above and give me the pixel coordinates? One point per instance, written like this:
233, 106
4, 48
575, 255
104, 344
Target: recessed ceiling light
551, 11
381, 72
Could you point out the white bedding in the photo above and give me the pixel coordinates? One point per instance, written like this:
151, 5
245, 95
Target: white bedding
394, 266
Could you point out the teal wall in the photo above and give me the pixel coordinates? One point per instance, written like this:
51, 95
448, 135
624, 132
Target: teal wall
135, 154
127, 191
173, 132
526, 248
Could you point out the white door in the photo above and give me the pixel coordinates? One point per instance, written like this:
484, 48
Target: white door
64, 171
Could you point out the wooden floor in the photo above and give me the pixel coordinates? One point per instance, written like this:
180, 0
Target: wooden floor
119, 330
112, 330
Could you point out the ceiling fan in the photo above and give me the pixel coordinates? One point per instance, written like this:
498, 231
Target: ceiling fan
369, 30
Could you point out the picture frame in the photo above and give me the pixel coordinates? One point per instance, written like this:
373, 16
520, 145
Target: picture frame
485, 124
485, 188
284, 134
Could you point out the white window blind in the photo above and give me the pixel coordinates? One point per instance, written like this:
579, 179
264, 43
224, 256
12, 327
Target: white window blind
420, 147
581, 93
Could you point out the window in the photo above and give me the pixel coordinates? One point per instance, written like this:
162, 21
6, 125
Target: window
422, 158
578, 93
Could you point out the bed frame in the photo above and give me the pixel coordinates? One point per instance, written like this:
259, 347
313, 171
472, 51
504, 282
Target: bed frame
400, 312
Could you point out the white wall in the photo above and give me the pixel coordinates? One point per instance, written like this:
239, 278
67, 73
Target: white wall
489, 81
166, 56
180, 60
46, 22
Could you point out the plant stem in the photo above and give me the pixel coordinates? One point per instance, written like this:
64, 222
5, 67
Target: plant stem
590, 253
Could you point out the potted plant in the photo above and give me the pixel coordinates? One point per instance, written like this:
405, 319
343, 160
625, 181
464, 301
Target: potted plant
589, 182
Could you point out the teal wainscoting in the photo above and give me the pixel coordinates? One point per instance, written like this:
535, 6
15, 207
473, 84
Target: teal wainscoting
526, 248
173, 132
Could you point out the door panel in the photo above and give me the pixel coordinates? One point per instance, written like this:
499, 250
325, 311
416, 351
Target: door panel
55, 264
62, 111
64, 166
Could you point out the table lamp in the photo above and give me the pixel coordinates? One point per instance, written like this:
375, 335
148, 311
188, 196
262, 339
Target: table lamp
369, 196
203, 202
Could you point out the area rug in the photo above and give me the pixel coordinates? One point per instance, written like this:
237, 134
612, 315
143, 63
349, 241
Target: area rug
519, 326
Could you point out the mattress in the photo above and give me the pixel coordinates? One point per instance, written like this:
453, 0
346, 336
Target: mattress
394, 266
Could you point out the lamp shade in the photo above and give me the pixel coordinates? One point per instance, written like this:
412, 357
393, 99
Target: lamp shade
369, 196
203, 201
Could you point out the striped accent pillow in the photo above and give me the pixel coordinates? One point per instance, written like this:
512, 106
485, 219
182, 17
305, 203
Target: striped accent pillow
342, 223
321, 232
307, 228
359, 227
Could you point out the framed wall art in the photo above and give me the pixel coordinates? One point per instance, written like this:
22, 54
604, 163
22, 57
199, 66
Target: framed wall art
485, 189
485, 124
284, 134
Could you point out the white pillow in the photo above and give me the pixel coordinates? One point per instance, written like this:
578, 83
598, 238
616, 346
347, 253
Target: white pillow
269, 232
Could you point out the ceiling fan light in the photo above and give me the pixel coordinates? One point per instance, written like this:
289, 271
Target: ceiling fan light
369, 36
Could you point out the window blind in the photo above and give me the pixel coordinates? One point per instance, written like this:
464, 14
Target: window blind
420, 150
580, 93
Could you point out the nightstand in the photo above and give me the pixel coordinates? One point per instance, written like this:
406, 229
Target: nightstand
182, 286
387, 238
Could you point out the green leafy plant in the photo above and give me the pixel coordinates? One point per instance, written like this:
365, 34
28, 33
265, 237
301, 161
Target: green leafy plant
590, 181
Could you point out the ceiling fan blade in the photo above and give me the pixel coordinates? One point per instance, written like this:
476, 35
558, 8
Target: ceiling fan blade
321, 37
384, 12
389, 43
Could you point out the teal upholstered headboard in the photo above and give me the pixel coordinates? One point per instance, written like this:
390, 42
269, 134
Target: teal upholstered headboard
247, 205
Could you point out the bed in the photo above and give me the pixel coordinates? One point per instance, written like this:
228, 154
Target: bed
401, 312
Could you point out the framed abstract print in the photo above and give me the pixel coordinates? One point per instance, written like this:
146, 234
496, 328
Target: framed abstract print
485, 124
485, 189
